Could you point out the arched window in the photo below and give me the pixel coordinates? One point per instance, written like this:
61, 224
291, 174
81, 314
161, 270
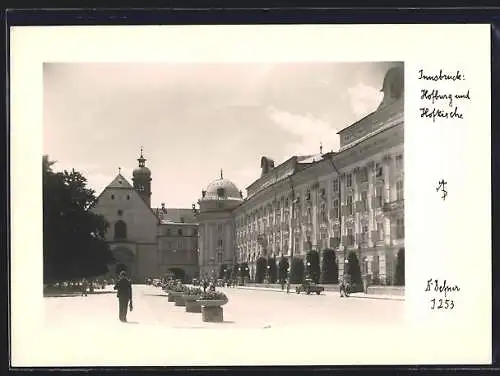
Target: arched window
120, 230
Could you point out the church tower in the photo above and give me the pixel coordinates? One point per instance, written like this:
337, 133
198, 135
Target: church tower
142, 179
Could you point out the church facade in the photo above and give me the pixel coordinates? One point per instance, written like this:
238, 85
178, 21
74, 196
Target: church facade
347, 201
147, 241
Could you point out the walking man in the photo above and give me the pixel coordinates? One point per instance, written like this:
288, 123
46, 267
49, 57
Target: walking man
344, 288
124, 294
85, 286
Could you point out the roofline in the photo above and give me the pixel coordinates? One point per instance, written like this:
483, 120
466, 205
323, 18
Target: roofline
379, 109
275, 167
309, 165
269, 187
358, 121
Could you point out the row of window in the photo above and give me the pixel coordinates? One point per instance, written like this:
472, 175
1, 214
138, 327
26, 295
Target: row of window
178, 244
121, 231
285, 201
114, 197
350, 208
180, 232
349, 240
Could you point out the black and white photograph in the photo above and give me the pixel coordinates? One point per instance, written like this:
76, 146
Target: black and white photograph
226, 207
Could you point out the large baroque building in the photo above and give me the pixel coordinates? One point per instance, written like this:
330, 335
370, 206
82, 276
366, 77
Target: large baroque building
147, 241
351, 200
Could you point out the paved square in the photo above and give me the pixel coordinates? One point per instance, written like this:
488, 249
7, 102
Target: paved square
245, 309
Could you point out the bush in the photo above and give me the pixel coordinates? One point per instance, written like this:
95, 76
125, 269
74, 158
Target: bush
245, 270
234, 271
260, 271
283, 269
193, 291
178, 288
297, 272
400, 268
354, 272
329, 267
273, 271
313, 270
222, 274
213, 295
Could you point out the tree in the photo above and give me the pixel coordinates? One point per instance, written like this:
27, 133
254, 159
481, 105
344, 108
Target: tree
354, 271
400, 268
260, 271
329, 267
73, 237
222, 271
234, 271
245, 270
283, 269
297, 272
313, 270
271, 261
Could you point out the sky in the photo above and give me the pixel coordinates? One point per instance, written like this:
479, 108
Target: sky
195, 119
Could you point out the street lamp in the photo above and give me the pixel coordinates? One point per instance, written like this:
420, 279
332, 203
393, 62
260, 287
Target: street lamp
308, 264
339, 213
346, 264
268, 272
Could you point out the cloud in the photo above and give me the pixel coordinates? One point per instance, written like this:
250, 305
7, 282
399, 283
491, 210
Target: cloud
96, 180
307, 131
363, 99
246, 176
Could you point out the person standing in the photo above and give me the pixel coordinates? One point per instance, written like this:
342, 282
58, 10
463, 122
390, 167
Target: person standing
124, 294
85, 286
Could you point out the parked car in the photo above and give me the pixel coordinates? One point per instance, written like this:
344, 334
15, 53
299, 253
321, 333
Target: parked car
308, 286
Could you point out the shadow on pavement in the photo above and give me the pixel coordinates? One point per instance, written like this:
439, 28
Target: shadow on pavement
160, 295
131, 322
73, 294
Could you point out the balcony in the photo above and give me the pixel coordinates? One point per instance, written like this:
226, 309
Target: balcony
393, 206
348, 240
334, 242
362, 239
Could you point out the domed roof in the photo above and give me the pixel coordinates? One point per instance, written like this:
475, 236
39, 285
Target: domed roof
393, 86
221, 189
141, 172
394, 81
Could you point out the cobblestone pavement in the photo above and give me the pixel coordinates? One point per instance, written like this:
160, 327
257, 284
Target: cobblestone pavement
86, 331
247, 308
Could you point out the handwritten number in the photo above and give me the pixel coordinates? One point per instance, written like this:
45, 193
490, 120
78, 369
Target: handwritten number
442, 304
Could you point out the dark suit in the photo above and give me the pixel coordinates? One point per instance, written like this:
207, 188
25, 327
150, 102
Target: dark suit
124, 294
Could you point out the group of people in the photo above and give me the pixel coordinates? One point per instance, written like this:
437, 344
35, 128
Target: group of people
89, 285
